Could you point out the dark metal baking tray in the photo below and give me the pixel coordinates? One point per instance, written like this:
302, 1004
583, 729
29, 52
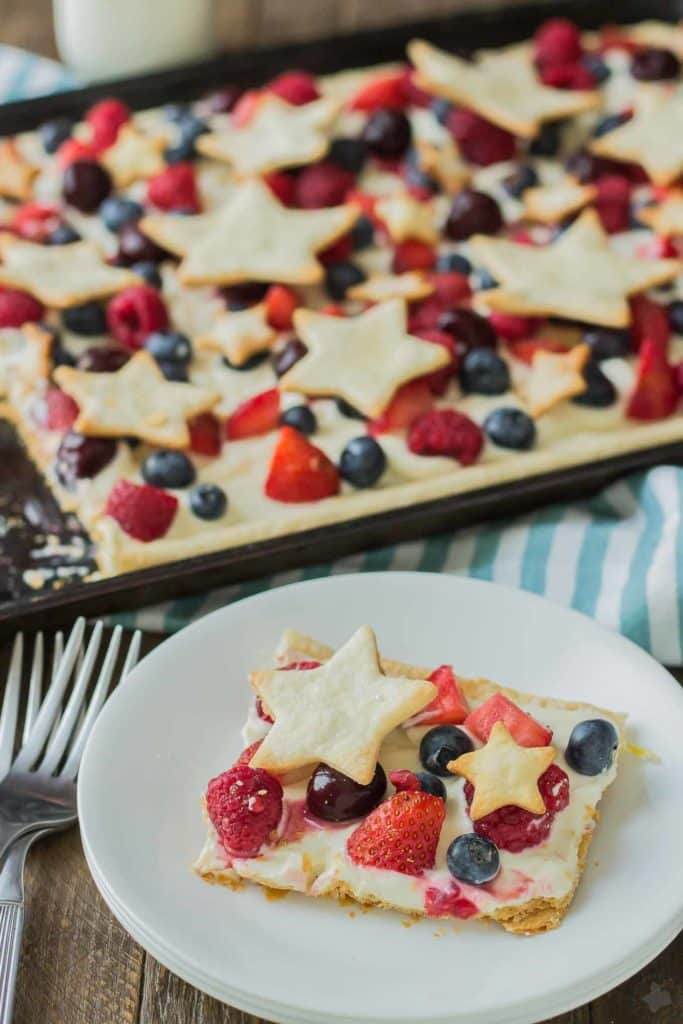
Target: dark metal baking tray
23, 493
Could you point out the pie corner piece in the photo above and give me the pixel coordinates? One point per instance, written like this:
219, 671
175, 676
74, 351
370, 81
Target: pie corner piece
347, 841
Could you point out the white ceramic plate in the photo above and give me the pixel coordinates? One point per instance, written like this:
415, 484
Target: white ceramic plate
299, 960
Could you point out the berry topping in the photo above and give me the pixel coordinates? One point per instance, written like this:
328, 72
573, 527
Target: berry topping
609, 123
654, 65
649, 321
339, 277
524, 729
174, 371
514, 829
557, 41
473, 859
453, 262
608, 342
449, 902
283, 186
675, 314
36, 222
448, 707
387, 133
338, 252
301, 417
446, 432
348, 153
402, 834
208, 501
241, 296
105, 119
442, 744
149, 272
86, 184
134, 247
206, 434
417, 782
408, 402
18, 308
281, 302
88, 320
655, 395
479, 141
470, 329
244, 806
600, 391
285, 358
143, 512
175, 188
510, 428
591, 746
54, 133
183, 149
519, 180
169, 346
586, 167
383, 92
60, 410
63, 234
166, 468
473, 213
73, 149
362, 461
613, 202
103, 359
323, 184
512, 327
332, 796
296, 87
81, 457
567, 76
484, 372
526, 350
257, 415
362, 233
413, 255
117, 211
134, 314
299, 471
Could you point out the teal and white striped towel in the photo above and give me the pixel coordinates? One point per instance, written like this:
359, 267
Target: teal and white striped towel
617, 557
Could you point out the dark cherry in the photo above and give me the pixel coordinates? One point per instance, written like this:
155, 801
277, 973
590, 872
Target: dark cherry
241, 296
387, 133
134, 247
654, 65
223, 100
103, 358
85, 185
79, 457
470, 329
286, 357
473, 213
335, 797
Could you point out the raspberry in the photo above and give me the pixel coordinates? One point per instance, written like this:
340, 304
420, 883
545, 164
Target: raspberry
514, 829
557, 41
446, 432
296, 87
567, 76
142, 511
402, 834
449, 902
175, 188
60, 410
413, 255
323, 184
134, 313
35, 221
480, 142
244, 806
18, 308
511, 327
206, 434
105, 120
283, 186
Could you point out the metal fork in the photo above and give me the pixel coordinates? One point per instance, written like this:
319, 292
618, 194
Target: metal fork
38, 791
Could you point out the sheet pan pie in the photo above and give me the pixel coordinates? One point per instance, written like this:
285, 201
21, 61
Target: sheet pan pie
238, 318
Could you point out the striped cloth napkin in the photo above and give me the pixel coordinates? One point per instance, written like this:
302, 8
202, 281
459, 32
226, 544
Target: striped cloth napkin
618, 556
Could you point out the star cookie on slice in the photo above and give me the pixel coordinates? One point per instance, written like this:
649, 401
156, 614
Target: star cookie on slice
133, 156
238, 336
278, 134
24, 356
60, 275
549, 204
665, 218
410, 286
363, 359
135, 401
502, 86
579, 276
555, 376
652, 138
503, 773
252, 237
406, 217
16, 173
338, 713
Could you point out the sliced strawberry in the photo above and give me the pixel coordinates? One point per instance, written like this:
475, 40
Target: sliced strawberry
205, 434
323, 184
281, 302
299, 471
381, 92
567, 76
413, 255
245, 108
449, 707
35, 221
60, 409
511, 327
649, 321
410, 400
655, 395
142, 511
402, 834
526, 350
283, 186
257, 415
524, 729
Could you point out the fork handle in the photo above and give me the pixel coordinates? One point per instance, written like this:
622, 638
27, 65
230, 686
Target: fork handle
11, 929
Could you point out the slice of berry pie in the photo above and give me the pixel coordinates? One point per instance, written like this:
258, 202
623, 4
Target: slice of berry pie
410, 788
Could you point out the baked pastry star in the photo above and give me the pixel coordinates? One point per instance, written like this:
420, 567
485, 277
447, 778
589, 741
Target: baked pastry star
239, 335
652, 138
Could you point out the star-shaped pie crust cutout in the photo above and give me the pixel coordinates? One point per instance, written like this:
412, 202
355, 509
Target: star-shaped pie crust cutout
579, 276
502, 86
133, 156
278, 134
363, 359
252, 237
16, 173
411, 286
60, 275
555, 376
549, 204
239, 335
504, 773
665, 218
338, 713
135, 401
406, 217
24, 356
652, 138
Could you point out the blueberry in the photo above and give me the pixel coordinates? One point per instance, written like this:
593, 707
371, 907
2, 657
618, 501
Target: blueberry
189, 130
484, 280
510, 428
547, 142
285, 358
169, 346
117, 211
675, 311
348, 153
608, 342
597, 67
249, 364
431, 784
442, 744
149, 272
591, 746
208, 501
88, 320
348, 410
600, 391
165, 468
387, 133
362, 461
608, 124
473, 859
54, 133
453, 262
339, 277
176, 372
63, 234
301, 418
362, 233
441, 109
522, 178
484, 372
415, 175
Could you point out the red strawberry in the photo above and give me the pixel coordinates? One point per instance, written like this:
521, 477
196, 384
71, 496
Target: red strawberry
257, 415
142, 511
296, 87
613, 202
35, 221
281, 302
655, 395
175, 188
526, 350
338, 252
480, 142
448, 707
402, 834
105, 119
511, 327
410, 400
299, 471
245, 108
413, 255
381, 92
323, 184
557, 41
244, 806
205, 434
74, 149
18, 308
524, 729
649, 321
247, 754
134, 313
446, 432
283, 186
60, 409
567, 76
